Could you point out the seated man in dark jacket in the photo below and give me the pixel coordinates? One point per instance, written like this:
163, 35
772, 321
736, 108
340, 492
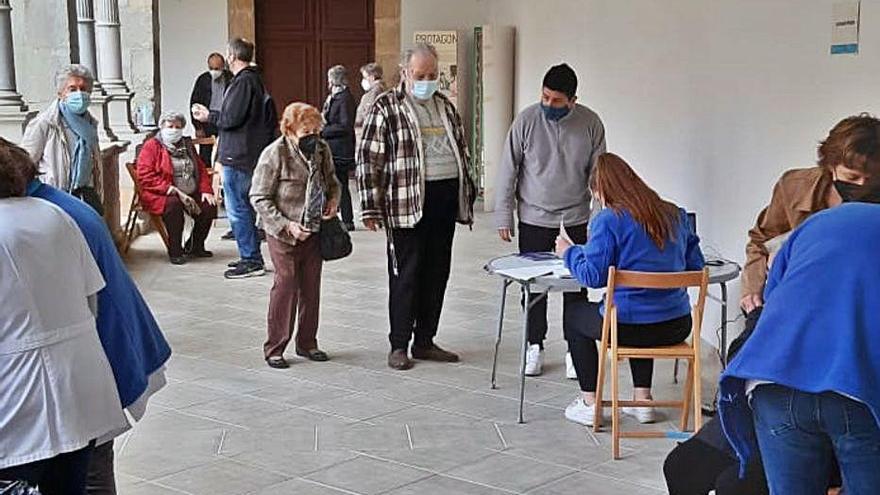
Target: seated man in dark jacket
247, 123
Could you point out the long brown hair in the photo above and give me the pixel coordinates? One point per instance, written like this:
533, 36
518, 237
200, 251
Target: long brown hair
622, 189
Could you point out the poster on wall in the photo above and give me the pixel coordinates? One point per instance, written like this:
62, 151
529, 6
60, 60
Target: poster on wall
446, 43
845, 28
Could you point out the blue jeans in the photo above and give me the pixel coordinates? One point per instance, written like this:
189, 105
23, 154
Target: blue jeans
242, 217
800, 433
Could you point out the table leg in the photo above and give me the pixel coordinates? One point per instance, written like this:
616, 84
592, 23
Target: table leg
527, 306
723, 342
504, 285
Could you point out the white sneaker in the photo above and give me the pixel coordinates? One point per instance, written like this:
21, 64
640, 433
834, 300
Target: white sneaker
570, 372
534, 360
579, 412
644, 415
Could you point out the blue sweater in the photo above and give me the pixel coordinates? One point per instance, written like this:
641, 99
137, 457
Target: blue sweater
130, 336
617, 240
819, 328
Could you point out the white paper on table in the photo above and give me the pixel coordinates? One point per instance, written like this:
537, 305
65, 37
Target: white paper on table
526, 273
562, 231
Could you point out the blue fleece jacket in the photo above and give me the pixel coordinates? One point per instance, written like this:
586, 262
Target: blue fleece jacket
617, 240
130, 336
819, 328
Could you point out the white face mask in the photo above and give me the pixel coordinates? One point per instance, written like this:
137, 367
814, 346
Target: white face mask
215, 73
366, 84
171, 135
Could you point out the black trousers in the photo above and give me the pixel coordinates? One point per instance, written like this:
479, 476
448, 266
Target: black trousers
584, 328
533, 239
64, 474
174, 221
696, 468
90, 196
424, 256
101, 479
345, 198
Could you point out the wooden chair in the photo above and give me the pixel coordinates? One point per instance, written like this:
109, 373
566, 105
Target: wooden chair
135, 209
689, 352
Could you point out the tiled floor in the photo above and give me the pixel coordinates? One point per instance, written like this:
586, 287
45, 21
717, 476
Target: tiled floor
227, 424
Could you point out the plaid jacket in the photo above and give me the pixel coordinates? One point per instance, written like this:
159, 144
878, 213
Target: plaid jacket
390, 174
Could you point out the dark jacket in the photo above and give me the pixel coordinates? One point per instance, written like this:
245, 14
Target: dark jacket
338, 131
244, 127
201, 94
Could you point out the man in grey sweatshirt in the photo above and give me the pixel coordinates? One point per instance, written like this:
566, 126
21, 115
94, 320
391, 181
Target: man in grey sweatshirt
546, 163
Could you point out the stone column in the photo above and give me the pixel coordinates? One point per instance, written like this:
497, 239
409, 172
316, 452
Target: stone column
85, 20
108, 45
13, 110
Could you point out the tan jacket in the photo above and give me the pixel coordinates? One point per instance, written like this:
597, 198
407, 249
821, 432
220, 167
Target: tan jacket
278, 188
46, 141
798, 194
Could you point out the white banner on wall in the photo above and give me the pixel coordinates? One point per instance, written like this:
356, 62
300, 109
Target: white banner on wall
446, 43
845, 28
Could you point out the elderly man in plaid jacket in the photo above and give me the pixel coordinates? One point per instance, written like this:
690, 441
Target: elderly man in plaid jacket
413, 178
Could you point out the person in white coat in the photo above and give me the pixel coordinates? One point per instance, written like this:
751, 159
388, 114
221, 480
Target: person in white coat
57, 389
63, 139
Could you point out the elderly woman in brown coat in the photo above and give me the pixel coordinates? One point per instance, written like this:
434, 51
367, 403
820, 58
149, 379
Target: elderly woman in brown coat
294, 188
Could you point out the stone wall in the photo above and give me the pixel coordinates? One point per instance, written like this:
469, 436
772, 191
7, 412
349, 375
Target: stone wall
41, 37
41, 34
140, 50
387, 25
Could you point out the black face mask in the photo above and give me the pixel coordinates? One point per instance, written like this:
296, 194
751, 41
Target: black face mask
308, 144
850, 192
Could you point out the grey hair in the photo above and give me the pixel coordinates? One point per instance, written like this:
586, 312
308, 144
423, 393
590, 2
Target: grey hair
419, 49
73, 70
241, 49
338, 75
172, 116
373, 69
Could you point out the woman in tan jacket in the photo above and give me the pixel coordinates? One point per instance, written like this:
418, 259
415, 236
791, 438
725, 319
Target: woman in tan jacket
841, 175
294, 188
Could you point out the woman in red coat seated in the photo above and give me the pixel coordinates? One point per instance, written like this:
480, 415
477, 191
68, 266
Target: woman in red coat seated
173, 180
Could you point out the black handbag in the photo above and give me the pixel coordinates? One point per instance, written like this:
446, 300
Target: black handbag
335, 240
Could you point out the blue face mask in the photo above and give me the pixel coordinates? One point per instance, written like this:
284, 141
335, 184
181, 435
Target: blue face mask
77, 102
424, 90
554, 114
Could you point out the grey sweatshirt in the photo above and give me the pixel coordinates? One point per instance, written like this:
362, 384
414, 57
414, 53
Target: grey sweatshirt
545, 167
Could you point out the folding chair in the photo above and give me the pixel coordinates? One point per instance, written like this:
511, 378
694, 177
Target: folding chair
135, 209
689, 352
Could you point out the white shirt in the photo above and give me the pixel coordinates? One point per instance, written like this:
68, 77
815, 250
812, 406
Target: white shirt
57, 391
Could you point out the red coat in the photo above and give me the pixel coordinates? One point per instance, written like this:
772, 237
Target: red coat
155, 174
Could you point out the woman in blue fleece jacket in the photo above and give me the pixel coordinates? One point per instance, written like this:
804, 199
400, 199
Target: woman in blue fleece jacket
637, 230
805, 387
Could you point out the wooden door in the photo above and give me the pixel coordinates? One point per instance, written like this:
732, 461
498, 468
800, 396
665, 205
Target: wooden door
298, 40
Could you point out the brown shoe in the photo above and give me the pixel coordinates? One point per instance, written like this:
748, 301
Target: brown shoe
398, 360
434, 353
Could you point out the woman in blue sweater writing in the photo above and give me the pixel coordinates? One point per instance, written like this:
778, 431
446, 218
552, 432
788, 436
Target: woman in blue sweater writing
636, 230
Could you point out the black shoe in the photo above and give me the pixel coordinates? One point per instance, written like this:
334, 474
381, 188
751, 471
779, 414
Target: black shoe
178, 260
398, 360
313, 355
201, 253
277, 362
233, 264
245, 270
228, 236
434, 353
